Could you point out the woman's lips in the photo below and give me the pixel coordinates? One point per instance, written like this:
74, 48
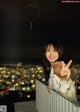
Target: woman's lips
51, 58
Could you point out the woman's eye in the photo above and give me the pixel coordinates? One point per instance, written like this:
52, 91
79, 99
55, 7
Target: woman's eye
55, 51
47, 51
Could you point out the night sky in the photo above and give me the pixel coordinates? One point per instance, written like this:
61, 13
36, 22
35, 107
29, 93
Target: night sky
26, 25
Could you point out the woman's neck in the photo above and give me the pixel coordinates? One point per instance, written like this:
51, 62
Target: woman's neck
52, 64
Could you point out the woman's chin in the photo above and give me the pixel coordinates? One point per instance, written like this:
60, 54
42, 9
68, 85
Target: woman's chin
51, 61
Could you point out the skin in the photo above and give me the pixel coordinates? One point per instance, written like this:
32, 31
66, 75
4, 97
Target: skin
52, 55
65, 70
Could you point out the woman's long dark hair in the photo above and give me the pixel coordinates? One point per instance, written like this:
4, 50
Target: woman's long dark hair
46, 64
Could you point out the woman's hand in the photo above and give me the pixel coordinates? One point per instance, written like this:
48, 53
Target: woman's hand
65, 71
49, 89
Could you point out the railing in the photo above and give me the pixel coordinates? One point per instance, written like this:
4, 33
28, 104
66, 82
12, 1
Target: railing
54, 102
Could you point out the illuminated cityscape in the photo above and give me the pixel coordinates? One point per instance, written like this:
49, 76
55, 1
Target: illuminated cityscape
21, 78
18, 78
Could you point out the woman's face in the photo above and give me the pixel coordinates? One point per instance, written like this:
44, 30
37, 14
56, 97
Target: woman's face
51, 54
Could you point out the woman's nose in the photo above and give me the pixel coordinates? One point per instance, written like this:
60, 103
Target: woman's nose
51, 53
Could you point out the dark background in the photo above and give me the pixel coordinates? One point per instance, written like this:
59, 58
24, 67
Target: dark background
25, 26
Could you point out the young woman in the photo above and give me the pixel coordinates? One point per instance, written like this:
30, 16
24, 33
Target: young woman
59, 77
